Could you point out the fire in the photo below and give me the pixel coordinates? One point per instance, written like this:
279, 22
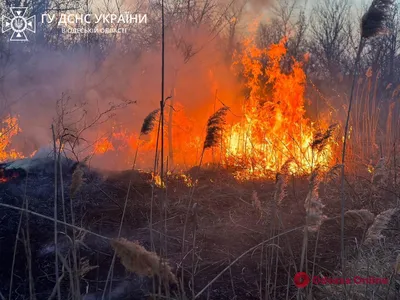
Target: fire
274, 128
4, 177
102, 146
9, 128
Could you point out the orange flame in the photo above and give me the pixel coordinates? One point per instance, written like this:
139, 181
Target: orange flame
274, 128
9, 128
102, 146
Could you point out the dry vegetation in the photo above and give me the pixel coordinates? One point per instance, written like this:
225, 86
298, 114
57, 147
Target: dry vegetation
266, 197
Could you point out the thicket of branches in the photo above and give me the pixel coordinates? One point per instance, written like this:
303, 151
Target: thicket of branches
325, 29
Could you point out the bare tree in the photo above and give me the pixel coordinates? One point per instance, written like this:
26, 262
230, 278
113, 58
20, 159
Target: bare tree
329, 39
289, 21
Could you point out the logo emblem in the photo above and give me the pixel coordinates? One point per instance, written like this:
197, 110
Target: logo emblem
18, 24
301, 280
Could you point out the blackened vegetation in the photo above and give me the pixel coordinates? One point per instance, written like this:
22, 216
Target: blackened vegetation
373, 21
11, 175
96, 207
227, 225
214, 127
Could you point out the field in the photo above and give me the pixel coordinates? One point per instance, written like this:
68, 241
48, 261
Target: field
234, 247
211, 149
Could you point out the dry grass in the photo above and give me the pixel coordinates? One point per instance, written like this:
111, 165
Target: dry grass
359, 218
313, 203
77, 180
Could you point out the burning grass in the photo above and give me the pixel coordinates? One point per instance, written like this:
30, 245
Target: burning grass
264, 129
9, 128
217, 223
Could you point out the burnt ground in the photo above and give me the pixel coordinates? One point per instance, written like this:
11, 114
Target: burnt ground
225, 219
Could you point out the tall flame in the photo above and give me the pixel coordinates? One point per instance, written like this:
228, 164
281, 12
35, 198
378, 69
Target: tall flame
9, 128
274, 128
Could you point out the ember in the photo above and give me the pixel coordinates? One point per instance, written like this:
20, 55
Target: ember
8, 175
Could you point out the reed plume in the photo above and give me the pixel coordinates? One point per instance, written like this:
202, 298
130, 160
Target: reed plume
214, 127
321, 138
373, 21
77, 180
136, 259
381, 222
281, 182
380, 172
359, 217
372, 24
149, 122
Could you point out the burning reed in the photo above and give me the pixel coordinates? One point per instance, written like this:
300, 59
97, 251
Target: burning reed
149, 122
214, 127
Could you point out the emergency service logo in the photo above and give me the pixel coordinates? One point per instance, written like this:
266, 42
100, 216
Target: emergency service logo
18, 24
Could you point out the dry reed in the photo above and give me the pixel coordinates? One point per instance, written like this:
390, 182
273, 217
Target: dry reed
313, 204
397, 265
359, 218
149, 122
137, 259
380, 172
380, 223
77, 180
214, 127
372, 24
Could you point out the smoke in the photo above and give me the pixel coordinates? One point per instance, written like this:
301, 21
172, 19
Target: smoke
32, 90
259, 5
